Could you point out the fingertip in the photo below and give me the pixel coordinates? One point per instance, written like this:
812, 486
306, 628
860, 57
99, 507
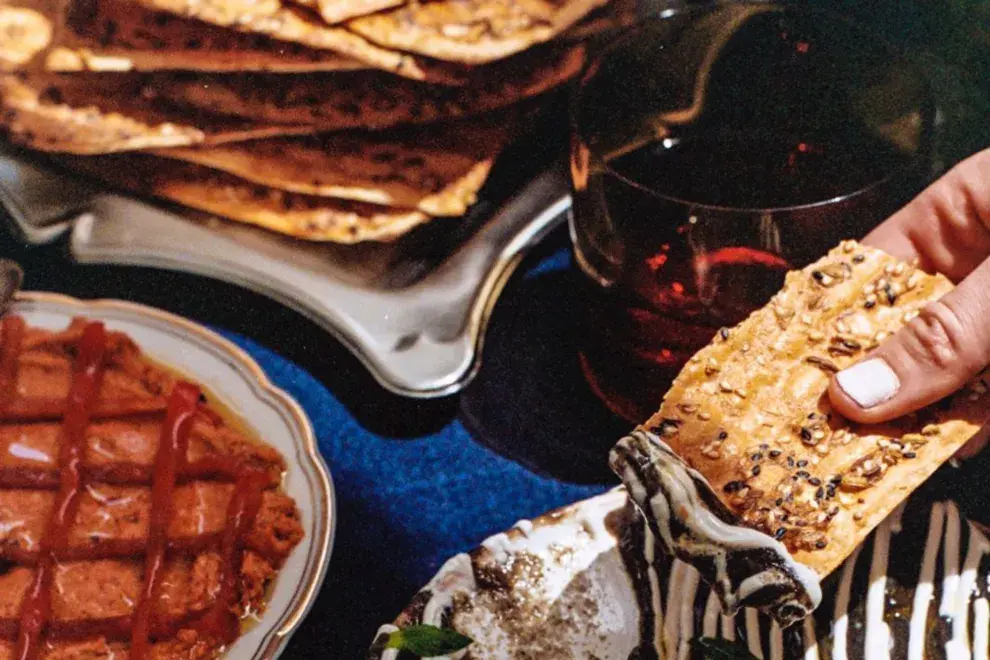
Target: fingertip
864, 391
844, 404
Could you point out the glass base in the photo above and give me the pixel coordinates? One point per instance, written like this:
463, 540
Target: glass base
634, 394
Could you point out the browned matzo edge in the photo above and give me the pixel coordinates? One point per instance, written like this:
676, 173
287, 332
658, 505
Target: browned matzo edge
118, 35
437, 169
301, 216
106, 113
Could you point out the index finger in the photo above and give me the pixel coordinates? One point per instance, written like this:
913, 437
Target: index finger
947, 226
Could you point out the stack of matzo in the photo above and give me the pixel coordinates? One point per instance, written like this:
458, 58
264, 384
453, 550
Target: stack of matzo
332, 120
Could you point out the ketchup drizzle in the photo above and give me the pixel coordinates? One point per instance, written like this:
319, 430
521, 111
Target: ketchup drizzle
11, 337
220, 621
173, 445
86, 379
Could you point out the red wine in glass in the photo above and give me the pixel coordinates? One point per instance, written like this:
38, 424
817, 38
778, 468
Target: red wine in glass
713, 151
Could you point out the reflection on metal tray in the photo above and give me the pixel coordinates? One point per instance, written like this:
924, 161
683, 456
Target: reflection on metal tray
414, 311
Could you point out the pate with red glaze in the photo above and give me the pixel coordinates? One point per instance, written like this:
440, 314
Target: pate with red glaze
135, 521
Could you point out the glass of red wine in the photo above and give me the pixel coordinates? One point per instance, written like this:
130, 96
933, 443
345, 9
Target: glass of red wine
714, 149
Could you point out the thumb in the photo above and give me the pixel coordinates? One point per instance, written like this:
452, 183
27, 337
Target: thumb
934, 355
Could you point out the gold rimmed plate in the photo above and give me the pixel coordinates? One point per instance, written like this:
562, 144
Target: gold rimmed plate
239, 384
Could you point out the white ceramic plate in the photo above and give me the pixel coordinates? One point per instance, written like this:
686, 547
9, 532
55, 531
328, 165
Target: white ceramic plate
238, 383
575, 584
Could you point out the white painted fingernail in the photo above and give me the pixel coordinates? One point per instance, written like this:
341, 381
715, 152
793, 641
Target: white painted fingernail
869, 383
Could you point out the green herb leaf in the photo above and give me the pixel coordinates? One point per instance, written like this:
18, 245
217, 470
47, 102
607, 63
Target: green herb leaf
427, 641
712, 648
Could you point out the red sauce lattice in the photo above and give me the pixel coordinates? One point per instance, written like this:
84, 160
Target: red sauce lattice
86, 379
70, 473
172, 447
11, 337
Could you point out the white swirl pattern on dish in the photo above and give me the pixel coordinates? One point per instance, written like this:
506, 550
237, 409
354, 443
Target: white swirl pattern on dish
684, 515
883, 602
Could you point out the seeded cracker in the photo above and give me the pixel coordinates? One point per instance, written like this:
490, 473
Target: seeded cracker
286, 22
302, 216
471, 31
368, 99
437, 169
117, 35
335, 11
95, 114
750, 411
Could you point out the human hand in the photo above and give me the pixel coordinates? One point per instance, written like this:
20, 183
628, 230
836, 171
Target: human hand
947, 228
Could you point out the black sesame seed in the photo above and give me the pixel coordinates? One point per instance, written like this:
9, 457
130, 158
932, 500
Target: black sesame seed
756, 470
870, 304
818, 275
821, 543
790, 461
734, 486
830, 492
804, 474
724, 332
764, 446
806, 434
757, 456
780, 500
779, 534
820, 494
815, 481
774, 453
836, 479
802, 463
891, 296
722, 435
909, 454
858, 259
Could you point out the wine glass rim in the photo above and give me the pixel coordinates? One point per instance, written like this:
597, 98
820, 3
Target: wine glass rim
590, 69
768, 210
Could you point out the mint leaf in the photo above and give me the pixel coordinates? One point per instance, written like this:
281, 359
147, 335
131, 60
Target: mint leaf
427, 641
712, 648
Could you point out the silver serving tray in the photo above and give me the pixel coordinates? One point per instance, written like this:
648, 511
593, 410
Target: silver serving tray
413, 311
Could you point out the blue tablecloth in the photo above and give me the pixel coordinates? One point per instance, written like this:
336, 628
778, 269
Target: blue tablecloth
404, 505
